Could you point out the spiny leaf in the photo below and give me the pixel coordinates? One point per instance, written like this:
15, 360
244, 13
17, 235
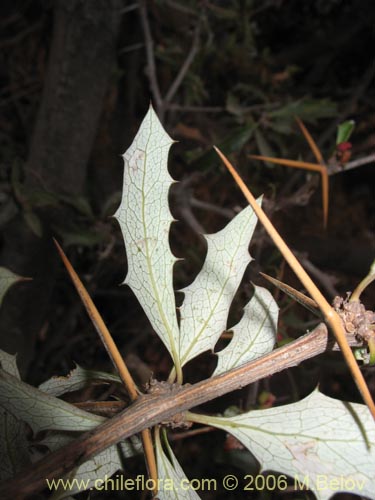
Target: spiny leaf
317, 440
75, 380
101, 467
9, 364
254, 335
173, 482
7, 279
41, 411
145, 219
204, 311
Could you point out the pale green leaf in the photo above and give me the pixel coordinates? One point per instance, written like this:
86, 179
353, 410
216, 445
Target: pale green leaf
34, 222
90, 475
254, 335
204, 311
344, 131
94, 472
75, 380
145, 219
325, 443
7, 279
9, 364
173, 484
41, 411
14, 454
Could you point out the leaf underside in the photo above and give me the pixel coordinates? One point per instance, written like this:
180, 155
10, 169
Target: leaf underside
205, 309
254, 335
145, 219
327, 441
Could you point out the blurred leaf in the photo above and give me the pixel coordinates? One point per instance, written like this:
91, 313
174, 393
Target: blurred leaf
264, 146
80, 236
111, 203
308, 110
79, 203
40, 198
233, 105
34, 223
231, 144
344, 131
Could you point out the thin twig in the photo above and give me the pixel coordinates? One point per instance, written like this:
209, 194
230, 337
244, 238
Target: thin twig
219, 109
129, 8
195, 109
319, 275
20, 36
181, 8
185, 67
189, 434
151, 67
357, 163
131, 48
210, 207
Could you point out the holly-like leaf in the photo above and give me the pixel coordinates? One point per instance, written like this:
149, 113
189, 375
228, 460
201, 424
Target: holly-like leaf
9, 364
75, 380
7, 279
326, 444
145, 219
254, 335
41, 411
172, 480
204, 311
92, 473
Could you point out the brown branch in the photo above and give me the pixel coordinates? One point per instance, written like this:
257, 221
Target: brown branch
357, 163
220, 109
151, 409
185, 67
160, 102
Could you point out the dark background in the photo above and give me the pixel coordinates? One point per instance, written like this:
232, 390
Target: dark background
75, 83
